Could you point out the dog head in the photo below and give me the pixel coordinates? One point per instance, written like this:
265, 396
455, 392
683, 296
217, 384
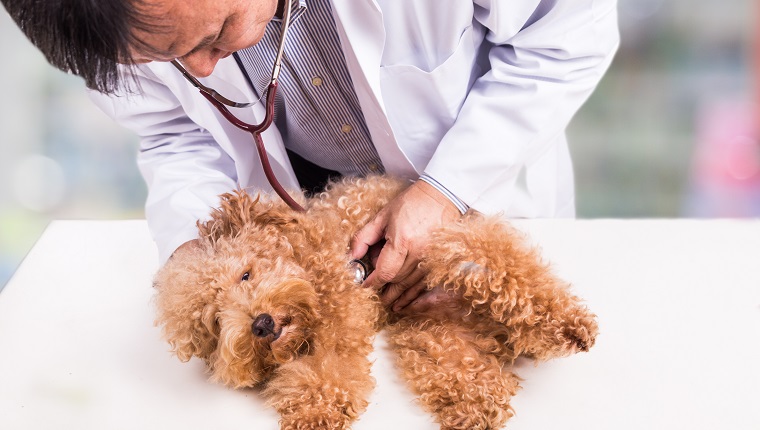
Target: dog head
238, 298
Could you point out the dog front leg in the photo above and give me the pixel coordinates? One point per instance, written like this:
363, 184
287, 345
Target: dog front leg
321, 391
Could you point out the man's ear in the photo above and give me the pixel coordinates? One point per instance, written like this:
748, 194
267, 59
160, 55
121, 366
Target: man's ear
186, 304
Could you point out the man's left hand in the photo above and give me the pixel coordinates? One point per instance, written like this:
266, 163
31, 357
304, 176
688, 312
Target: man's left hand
405, 225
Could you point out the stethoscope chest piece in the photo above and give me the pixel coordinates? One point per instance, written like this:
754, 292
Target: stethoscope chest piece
359, 269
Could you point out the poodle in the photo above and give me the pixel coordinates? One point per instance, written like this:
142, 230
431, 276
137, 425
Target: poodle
267, 300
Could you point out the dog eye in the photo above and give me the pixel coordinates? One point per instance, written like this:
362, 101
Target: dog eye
246, 276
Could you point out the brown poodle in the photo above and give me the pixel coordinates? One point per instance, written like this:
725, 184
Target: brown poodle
267, 300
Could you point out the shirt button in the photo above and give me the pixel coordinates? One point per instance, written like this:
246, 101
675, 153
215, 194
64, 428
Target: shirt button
346, 128
316, 81
373, 167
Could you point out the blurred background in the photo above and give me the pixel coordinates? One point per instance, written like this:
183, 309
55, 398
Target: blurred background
672, 130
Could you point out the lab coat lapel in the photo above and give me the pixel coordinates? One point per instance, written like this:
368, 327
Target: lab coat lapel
362, 22
362, 34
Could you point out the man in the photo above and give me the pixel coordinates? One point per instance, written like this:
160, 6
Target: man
469, 100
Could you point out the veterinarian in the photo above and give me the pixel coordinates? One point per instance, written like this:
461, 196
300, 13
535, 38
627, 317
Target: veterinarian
470, 100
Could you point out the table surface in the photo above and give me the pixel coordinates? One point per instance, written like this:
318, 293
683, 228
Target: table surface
678, 304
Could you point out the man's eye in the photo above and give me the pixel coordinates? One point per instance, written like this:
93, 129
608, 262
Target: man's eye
246, 276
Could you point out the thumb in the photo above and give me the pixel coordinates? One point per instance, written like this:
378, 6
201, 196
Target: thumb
367, 236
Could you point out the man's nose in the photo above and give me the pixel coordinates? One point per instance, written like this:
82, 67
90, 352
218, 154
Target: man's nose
201, 64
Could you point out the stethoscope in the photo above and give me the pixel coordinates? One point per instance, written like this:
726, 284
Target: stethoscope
358, 268
221, 103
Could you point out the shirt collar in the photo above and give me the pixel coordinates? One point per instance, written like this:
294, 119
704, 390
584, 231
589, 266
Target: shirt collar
297, 9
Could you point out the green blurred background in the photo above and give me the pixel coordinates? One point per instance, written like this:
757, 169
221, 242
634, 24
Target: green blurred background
672, 130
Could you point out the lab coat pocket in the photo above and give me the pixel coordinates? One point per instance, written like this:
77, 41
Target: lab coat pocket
423, 105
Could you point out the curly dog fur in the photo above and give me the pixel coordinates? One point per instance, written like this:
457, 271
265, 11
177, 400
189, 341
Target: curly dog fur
266, 300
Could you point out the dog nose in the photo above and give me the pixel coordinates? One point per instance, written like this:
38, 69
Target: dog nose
263, 325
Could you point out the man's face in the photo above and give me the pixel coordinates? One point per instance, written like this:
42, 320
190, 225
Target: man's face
201, 32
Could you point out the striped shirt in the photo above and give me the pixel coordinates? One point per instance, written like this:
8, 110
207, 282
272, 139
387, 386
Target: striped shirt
316, 109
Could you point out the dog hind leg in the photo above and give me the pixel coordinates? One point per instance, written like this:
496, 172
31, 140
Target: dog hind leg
486, 261
463, 386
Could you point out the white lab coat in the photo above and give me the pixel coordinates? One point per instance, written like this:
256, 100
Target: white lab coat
475, 93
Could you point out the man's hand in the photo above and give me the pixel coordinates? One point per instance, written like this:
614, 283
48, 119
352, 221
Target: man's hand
404, 225
438, 304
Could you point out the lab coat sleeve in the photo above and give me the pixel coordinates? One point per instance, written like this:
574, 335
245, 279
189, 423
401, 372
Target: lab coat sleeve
184, 168
546, 57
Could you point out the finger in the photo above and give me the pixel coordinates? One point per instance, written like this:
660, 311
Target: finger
367, 236
394, 290
374, 252
390, 292
418, 286
389, 263
422, 304
436, 303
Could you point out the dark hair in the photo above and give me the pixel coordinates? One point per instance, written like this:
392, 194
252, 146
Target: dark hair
88, 38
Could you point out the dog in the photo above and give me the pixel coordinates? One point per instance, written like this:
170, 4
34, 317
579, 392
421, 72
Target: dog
267, 300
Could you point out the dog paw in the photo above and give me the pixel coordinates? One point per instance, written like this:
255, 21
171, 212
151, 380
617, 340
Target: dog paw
481, 415
321, 410
582, 336
565, 339
327, 420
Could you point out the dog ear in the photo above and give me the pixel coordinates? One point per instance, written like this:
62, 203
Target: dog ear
235, 211
238, 209
185, 305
